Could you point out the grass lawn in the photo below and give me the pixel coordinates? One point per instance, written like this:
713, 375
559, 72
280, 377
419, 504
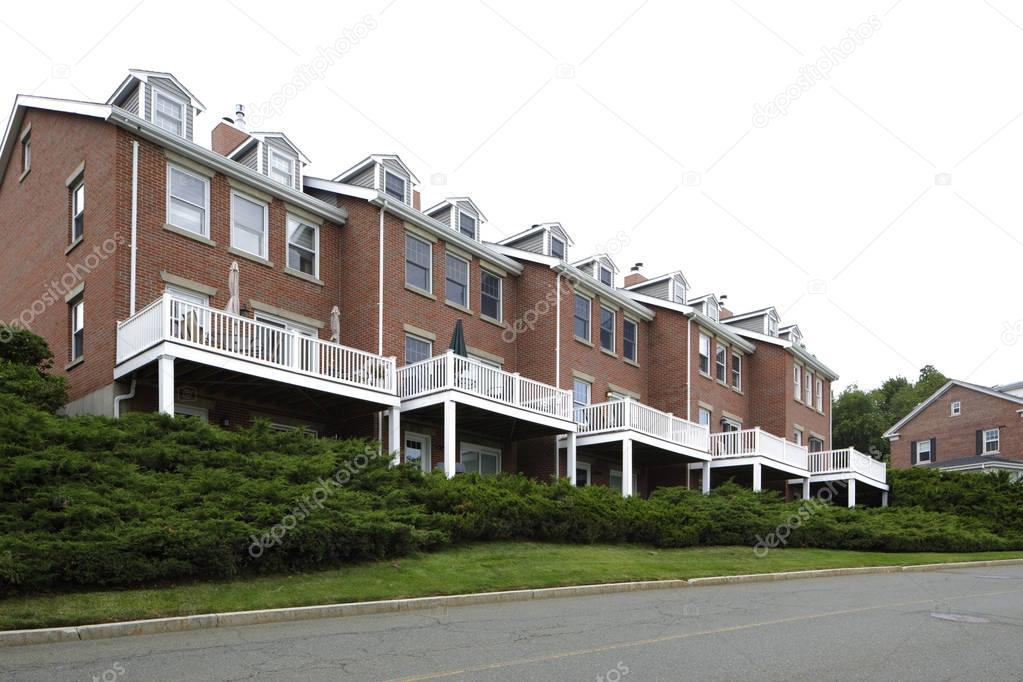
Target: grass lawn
476, 568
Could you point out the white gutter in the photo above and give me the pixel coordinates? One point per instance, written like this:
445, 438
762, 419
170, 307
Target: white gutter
134, 228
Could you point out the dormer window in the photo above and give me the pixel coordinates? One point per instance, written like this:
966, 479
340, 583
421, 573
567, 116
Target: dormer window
772, 325
282, 168
467, 224
678, 293
605, 275
557, 248
394, 186
169, 113
713, 311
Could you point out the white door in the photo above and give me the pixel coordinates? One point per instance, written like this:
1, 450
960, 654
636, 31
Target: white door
582, 474
417, 449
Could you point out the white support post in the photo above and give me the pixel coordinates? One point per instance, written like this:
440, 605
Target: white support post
757, 477
627, 416
852, 492
806, 488
705, 480
884, 498
570, 457
516, 389
449, 369
627, 467
296, 356
449, 438
165, 392
394, 435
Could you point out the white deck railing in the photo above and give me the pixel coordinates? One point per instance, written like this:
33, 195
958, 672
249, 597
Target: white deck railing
756, 442
628, 414
172, 319
454, 372
846, 460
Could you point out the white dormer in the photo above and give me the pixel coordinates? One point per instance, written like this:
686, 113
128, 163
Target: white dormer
548, 239
764, 321
771, 322
385, 173
272, 154
678, 288
709, 305
792, 333
159, 98
672, 287
600, 267
460, 214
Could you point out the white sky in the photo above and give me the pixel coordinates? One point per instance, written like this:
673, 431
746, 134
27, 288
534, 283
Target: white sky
638, 119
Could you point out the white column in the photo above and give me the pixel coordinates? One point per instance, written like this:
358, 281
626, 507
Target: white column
165, 392
705, 481
394, 435
852, 492
884, 498
806, 488
449, 438
757, 474
570, 464
627, 467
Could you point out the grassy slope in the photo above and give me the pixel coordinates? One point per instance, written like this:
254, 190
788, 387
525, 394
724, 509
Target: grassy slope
478, 568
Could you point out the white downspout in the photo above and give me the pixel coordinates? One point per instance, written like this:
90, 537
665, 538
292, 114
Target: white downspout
689, 376
134, 226
557, 365
118, 399
380, 311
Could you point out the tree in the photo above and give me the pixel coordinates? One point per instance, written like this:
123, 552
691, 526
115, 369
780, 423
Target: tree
25, 361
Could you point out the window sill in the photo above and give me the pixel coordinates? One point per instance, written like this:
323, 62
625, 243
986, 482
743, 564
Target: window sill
74, 363
303, 275
993, 452
705, 375
491, 320
459, 307
188, 233
722, 383
605, 351
421, 292
250, 256
72, 245
24, 174
630, 361
737, 390
584, 341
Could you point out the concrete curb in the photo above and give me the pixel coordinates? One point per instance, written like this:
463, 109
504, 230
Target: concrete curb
238, 618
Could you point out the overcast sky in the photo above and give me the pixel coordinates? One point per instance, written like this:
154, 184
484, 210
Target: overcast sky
856, 167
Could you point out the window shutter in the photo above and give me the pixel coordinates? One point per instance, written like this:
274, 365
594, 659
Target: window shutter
980, 442
934, 449
912, 452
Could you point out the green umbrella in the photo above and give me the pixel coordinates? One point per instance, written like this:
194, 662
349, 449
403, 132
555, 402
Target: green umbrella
458, 341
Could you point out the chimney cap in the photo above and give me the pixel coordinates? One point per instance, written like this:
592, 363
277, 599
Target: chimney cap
239, 116
636, 268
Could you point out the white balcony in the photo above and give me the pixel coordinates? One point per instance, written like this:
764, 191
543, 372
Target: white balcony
171, 327
628, 418
734, 448
471, 382
838, 464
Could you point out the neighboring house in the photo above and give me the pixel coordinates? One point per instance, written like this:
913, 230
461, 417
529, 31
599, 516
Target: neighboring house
963, 427
338, 318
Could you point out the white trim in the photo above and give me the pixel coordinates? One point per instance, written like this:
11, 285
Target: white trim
405, 261
614, 328
426, 456
500, 295
893, 431
296, 219
955, 408
635, 339
202, 413
404, 185
997, 441
930, 455
448, 253
585, 466
159, 92
475, 223
589, 317
480, 450
205, 227
736, 371
292, 163
266, 223
428, 341
699, 354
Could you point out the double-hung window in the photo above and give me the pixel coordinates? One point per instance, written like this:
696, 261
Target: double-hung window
797, 381
957, 408
704, 417
467, 224
581, 322
490, 295
607, 329
797, 436
581, 391
992, 441
606, 276
77, 329
77, 210
721, 363
808, 398
417, 349
303, 247
480, 460
630, 332
704, 354
248, 225
394, 186
418, 263
169, 113
456, 281
188, 200
820, 395
557, 248
282, 168
736, 371
923, 451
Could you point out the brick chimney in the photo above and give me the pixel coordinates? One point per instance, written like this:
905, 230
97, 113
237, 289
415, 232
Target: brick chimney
634, 276
416, 199
226, 138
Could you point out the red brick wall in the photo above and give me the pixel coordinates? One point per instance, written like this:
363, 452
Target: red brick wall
956, 436
772, 399
709, 390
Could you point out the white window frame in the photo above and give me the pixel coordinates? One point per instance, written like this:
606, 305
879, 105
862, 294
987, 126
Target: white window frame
820, 395
292, 165
614, 329
808, 385
76, 209
601, 269
564, 247
713, 310
720, 362
200, 413
480, 450
588, 468
635, 339
448, 257
699, 416
956, 408
77, 326
429, 269
703, 357
677, 287
160, 93
730, 425
425, 462
428, 342
237, 194
617, 473
577, 382
500, 295
404, 185
997, 441
205, 228
475, 224
736, 371
797, 436
797, 381
303, 428
589, 316
919, 459
772, 326
293, 220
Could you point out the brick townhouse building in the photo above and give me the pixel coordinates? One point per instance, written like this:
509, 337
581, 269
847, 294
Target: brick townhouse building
963, 427
227, 284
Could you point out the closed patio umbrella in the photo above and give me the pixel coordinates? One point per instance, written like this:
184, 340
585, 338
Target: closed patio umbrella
234, 302
458, 341
335, 324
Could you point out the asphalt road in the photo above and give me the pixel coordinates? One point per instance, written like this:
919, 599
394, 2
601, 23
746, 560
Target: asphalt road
955, 624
